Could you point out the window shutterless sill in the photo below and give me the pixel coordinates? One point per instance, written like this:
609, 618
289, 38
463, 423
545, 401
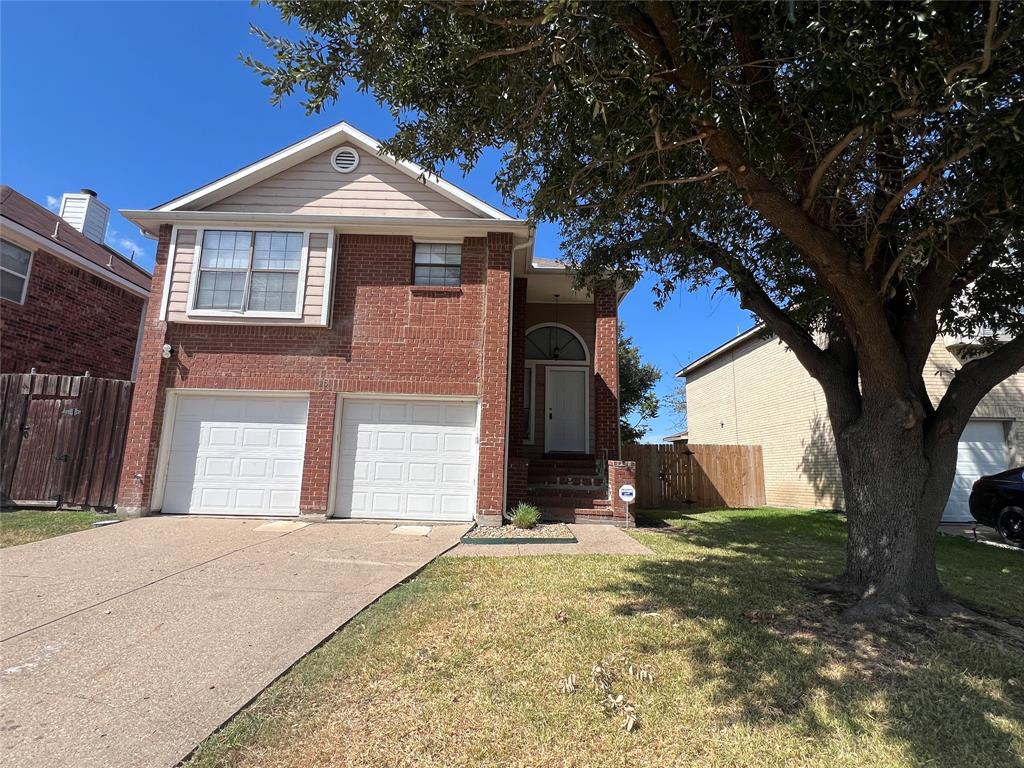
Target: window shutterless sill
436, 290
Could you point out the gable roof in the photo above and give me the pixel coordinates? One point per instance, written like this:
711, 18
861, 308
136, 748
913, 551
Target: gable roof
720, 350
310, 147
52, 233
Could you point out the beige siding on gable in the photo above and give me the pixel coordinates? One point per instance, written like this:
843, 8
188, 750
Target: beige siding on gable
759, 394
375, 188
316, 292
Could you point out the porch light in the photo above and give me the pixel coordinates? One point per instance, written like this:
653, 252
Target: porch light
555, 351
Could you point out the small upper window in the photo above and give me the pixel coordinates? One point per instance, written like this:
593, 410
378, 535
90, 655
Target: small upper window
249, 271
437, 264
14, 266
550, 342
345, 160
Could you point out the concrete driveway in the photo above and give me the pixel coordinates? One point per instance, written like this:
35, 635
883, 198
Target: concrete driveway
127, 645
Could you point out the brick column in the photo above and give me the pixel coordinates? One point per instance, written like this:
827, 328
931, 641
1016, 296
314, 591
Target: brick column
316, 466
139, 464
606, 374
517, 391
621, 473
494, 361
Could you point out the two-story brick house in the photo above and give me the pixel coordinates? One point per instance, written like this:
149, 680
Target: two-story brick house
339, 333
69, 303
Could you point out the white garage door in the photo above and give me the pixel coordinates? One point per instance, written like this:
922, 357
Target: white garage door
982, 451
236, 455
411, 460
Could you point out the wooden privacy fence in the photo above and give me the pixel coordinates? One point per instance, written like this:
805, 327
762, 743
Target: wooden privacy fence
62, 439
704, 475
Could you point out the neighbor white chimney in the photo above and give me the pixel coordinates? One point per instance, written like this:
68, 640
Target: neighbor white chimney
84, 211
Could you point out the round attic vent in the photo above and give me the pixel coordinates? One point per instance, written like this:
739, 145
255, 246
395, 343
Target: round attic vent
345, 160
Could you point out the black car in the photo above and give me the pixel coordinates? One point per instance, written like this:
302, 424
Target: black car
998, 501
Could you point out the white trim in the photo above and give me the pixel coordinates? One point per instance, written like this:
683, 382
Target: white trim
310, 147
586, 405
325, 310
28, 271
243, 315
171, 396
586, 352
721, 349
332, 491
169, 272
531, 366
57, 249
370, 225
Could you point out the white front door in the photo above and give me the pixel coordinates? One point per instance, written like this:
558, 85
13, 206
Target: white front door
981, 451
407, 460
236, 455
565, 405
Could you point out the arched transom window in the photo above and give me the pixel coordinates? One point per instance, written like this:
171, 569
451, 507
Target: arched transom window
553, 342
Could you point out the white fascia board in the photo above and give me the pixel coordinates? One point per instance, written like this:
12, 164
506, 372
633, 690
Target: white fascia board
312, 146
720, 350
382, 225
52, 246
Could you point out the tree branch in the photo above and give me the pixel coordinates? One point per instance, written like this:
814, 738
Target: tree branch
830, 157
919, 177
506, 52
971, 383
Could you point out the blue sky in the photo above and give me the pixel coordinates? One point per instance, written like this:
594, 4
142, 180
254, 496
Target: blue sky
143, 101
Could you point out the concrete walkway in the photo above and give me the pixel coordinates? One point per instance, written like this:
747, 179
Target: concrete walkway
591, 540
127, 645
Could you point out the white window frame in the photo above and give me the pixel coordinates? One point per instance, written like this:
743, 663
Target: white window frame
531, 400
462, 255
300, 293
26, 276
586, 352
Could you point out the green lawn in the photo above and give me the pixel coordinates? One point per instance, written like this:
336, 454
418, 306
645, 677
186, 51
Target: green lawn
25, 525
466, 665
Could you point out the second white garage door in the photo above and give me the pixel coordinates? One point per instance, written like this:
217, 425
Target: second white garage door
981, 451
236, 455
407, 459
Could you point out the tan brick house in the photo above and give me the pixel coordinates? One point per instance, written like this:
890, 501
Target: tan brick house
752, 390
69, 303
340, 333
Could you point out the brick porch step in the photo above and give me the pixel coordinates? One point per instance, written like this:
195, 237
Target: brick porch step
563, 477
574, 515
542, 490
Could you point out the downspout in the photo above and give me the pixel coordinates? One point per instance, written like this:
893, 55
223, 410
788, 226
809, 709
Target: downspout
527, 244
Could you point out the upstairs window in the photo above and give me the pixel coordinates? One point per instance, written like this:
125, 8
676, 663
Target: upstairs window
437, 264
14, 265
249, 271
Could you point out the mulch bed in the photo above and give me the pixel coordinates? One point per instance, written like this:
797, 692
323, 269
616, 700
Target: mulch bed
544, 533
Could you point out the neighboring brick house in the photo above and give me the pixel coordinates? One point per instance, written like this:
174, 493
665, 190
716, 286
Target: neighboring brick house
69, 304
340, 333
752, 390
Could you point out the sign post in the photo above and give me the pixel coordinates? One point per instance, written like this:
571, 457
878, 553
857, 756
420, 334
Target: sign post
627, 493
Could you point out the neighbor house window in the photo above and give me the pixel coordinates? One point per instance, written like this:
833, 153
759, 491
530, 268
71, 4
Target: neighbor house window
249, 271
14, 266
437, 264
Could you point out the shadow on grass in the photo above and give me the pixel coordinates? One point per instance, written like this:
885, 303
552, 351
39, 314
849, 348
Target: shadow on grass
775, 653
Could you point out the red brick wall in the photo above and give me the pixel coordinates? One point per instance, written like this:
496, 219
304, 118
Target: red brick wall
494, 381
386, 336
606, 374
71, 322
517, 390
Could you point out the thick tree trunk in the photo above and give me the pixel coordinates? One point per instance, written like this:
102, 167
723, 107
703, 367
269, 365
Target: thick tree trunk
896, 486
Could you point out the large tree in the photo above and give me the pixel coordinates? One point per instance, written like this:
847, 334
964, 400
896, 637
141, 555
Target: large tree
638, 403
852, 171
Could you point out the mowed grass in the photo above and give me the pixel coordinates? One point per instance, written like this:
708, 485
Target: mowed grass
466, 664
23, 526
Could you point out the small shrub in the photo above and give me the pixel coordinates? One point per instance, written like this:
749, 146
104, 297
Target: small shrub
524, 515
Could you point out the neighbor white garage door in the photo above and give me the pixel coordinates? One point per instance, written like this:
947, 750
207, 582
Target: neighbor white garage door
236, 455
407, 459
982, 451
